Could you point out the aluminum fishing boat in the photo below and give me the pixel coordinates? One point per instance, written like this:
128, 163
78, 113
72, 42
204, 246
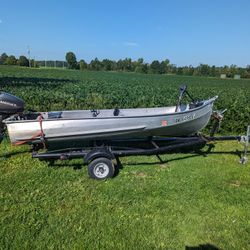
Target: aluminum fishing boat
108, 124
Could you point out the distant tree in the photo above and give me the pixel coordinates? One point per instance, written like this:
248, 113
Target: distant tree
33, 63
11, 60
137, 63
179, 71
185, 70
233, 70
172, 68
107, 64
139, 66
119, 65
114, 65
140, 61
95, 65
204, 69
245, 73
142, 68
71, 60
125, 65
128, 65
3, 58
248, 68
213, 71
155, 67
225, 70
188, 70
164, 67
23, 61
83, 65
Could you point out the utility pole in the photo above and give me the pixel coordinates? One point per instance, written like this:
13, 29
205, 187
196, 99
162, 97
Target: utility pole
29, 55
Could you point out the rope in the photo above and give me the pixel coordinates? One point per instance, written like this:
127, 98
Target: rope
38, 134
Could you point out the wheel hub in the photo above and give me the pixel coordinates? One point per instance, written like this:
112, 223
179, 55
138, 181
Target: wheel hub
101, 170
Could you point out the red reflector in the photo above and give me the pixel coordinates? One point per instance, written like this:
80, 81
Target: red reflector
164, 123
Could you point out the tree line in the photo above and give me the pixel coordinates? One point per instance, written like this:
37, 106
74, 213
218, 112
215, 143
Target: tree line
128, 65
21, 61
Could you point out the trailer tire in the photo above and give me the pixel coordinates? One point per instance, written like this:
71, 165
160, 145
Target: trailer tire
101, 168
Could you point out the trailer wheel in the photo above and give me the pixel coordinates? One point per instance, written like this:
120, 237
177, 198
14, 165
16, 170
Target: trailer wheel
101, 168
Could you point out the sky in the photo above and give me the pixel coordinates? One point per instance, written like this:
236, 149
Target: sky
187, 32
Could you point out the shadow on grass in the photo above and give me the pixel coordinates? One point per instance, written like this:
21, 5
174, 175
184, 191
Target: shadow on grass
32, 81
195, 154
202, 247
161, 161
10, 154
75, 166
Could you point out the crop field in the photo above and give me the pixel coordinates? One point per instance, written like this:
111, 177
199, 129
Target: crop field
45, 90
189, 201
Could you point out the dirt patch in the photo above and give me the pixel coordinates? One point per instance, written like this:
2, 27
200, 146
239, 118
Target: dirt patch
141, 174
235, 183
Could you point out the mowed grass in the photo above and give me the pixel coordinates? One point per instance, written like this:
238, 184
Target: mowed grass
190, 200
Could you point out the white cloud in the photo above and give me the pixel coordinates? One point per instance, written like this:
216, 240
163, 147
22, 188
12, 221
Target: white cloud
131, 44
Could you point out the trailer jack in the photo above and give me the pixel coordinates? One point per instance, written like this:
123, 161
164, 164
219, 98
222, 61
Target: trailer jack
245, 140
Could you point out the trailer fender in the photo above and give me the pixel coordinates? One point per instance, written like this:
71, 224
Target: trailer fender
97, 153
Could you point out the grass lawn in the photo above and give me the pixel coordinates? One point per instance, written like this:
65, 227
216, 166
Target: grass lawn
188, 201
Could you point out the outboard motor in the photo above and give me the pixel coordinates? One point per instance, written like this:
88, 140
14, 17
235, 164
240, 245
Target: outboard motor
9, 105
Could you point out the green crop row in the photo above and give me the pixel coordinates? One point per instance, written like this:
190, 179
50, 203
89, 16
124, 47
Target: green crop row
46, 90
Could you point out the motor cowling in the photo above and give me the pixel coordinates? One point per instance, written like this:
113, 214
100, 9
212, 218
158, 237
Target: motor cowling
9, 105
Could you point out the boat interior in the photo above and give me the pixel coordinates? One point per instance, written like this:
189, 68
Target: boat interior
76, 114
106, 113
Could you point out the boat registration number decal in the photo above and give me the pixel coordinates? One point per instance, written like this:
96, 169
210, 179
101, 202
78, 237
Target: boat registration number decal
185, 118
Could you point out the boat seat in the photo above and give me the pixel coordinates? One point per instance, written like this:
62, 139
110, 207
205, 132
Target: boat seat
116, 112
95, 112
195, 105
54, 115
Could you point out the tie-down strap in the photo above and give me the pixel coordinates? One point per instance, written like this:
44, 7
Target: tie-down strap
38, 134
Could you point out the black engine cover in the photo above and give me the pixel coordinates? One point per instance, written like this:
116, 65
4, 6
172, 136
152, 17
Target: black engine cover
10, 104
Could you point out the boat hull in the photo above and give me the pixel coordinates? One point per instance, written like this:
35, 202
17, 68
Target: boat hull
106, 128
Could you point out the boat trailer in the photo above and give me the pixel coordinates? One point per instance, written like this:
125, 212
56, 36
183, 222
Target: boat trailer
103, 156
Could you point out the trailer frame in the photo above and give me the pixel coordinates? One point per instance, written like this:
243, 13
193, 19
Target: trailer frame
100, 157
